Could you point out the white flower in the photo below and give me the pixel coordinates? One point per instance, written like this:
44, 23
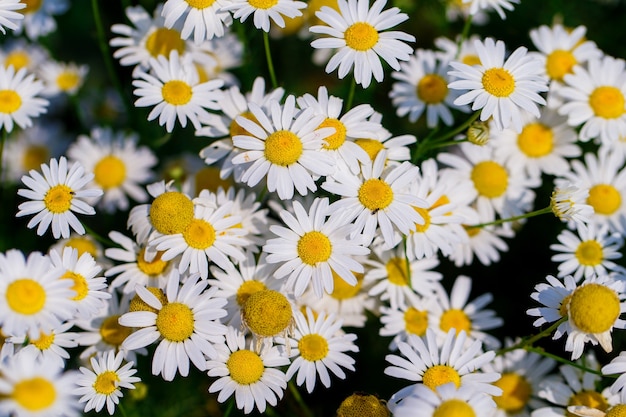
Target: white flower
568, 203
446, 400
20, 99
8, 16
49, 346
62, 77
264, 10
205, 19
38, 17
477, 6
617, 366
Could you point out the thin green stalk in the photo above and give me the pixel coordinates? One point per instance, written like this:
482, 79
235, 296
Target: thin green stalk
122, 411
463, 127
351, 94
229, 409
296, 394
99, 238
557, 358
268, 56
3, 139
527, 342
466, 29
514, 218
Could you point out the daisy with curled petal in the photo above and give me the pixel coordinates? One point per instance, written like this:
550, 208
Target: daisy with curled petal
187, 324
204, 18
447, 400
359, 34
568, 203
254, 378
8, 16
173, 88
102, 383
20, 99
283, 144
264, 10
500, 87
55, 195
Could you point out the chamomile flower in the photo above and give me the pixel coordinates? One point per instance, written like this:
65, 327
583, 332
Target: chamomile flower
283, 144
55, 196
500, 87
414, 318
102, 383
20, 99
554, 297
205, 19
173, 88
49, 346
446, 400
39, 17
187, 325
265, 10
320, 345
617, 366
21, 53
568, 203
120, 167
499, 6
9, 18
359, 34
483, 243
62, 77
253, 377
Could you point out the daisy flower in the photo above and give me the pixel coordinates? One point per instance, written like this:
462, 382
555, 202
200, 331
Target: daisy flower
499, 6
102, 383
320, 346
55, 196
584, 411
360, 35
253, 377
568, 203
617, 366
9, 18
264, 10
35, 388
554, 297
446, 400
483, 243
33, 298
187, 324
594, 98
414, 318
21, 53
283, 145
83, 244
39, 17
205, 19
174, 90
62, 77
361, 403
589, 251
120, 167
500, 88
20, 99
49, 346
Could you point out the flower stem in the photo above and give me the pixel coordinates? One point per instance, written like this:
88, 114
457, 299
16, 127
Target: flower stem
350, 95
268, 56
463, 127
122, 411
557, 358
99, 238
514, 218
527, 342
296, 394
229, 409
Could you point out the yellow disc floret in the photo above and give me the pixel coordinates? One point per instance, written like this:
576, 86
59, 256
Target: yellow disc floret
490, 179
263, 4
10, 101
153, 268
171, 212
363, 405
454, 408
175, 322
536, 140
313, 347
337, 139
83, 245
34, 394
425, 215
176, 92
112, 332
559, 63
31, 6
245, 367
515, 392
361, 36
199, 234
594, 308
68, 80
342, 290
80, 285
618, 410
589, 253
44, 342
607, 102
34, 156
397, 271
267, 313
375, 194
106, 383
415, 321
455, 319
248, 288
604, 198
25, 296
370, 146
432, 89
200, 4
314, 247
283, 148
58, 199
109, 172
163, 41
439, 375
498, 82
18, 58
591, 399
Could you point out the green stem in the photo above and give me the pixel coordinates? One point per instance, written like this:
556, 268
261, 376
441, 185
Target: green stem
557, 358
459, 129
466, 29
122, 411
436, 145
350, 95
527, 342
268, 56
269, 411
229, 409
296, 394
514, 218
99, 238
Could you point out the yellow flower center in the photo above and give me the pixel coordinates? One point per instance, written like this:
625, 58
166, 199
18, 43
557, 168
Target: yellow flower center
138, 304
10, 101
314, 247
34, 394
590, 399
112, 332
536, 140
440, 374
208, 178
515, 392
152, 268
397, 271
415, 321
370, 146
498, 82
106, 383
199, 234
471, 60
44, 342
175, 322
283, 148
200, 4
267, 313
80, 285
18, 58
472, 231
618, 410
425, 214
31, 6
594, 308
34, 156
564, 306
263, 4
176, 92
248, 288
589, 253
455, 319
490, 179
607, 102
58, 199
171, 212
375, 194
432, 89
83, 245
235, 128
316, 5
604, 198
559, 63
25, 296
68, 80
342, 290
361, 405
454, 408
109, 172
313, 347
245, 367
361, 36
163, 41
337, 139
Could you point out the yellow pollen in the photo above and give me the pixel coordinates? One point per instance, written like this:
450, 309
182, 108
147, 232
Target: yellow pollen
397, 271
314, 247
342, 290
80, 285
44, 342
604, 198
454, 408
175, 322
31, 6
25, 296
235, 128
152, 268
248, 288
208, 178
607, 102
594, 308
515, 392
564, 306
199, 234
455, 319
441, 201
245, 367
58, 199
337, 139
171, 212
68, 80
10, 101
176, 92
618, 410
313, 347
490, 179
200, 4
18, 58
590, 399
34, 156
283, 148
472, 231
589, 253
163, 41
361, 36
109, 172
439, 375
498, 82
34, 394
267, 313
375, 194
106, 383
263, 4
559, 63
371, 146
415, 321
536, 140
363, 405
83, 245
471, 60
424, 214
138, 304
112, 332
432, 89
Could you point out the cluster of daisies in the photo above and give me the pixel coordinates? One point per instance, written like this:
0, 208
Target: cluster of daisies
303, 217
